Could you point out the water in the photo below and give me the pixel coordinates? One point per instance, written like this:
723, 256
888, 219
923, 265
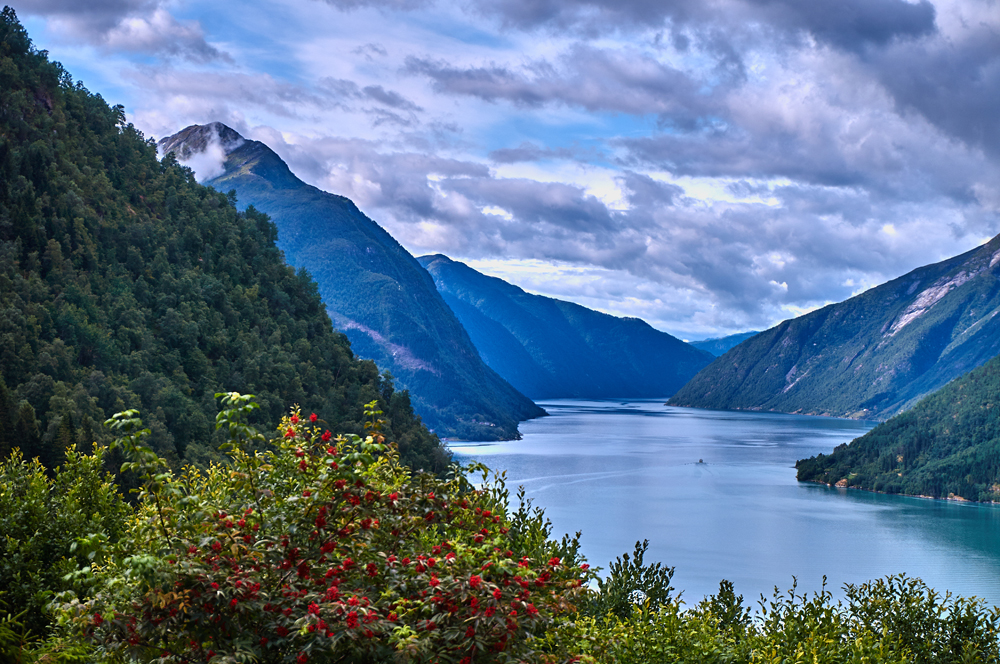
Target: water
625, 471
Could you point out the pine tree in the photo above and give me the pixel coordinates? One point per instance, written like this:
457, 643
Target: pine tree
6, 420
26, 434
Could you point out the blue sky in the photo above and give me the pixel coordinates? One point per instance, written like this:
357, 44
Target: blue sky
710, 166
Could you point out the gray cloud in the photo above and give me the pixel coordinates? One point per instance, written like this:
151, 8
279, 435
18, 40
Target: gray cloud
530, 152
211, 91
345, 91
136, 26
623, 81
850, 24
703, 164
370, 51
955, 84
99, 15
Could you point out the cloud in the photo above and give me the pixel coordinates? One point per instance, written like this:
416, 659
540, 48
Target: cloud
529, 152
390, 5
135, 26
161, 34
375, 93
708, 165
850, 24
370, 50
208, 161
619, 80
209, 92
953, 83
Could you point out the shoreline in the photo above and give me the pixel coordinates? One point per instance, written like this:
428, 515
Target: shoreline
950, 499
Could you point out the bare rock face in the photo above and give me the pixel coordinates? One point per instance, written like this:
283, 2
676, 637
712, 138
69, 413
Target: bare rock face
196, 139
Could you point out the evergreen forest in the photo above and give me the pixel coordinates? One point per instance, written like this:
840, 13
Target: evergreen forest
947, 446
126, 284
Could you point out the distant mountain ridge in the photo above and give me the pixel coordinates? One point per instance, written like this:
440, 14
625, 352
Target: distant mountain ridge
719, 345
868, 357
374, 290
550, 348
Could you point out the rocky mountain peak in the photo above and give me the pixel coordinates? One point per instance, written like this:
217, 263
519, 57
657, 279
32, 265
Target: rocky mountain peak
198, 139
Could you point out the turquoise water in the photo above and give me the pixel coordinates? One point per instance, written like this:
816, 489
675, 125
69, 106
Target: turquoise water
629, 470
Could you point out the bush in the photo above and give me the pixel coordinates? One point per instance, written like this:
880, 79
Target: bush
51, 530
326, 549
896, 620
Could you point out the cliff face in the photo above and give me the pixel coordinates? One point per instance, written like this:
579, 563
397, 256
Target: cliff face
374, 290
871, 356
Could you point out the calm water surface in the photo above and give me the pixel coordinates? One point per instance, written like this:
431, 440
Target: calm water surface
629, 470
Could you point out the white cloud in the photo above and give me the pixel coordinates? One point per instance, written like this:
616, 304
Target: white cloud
708, 166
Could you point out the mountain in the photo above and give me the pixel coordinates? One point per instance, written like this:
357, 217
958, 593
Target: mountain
946, 446
719, 345
871, 356
549, 348
374, 290
126, 284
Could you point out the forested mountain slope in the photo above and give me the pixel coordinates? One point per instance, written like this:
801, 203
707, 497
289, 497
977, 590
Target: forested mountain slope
719, 345
125, 284
374, 290
551, 348
948, 445
870, 356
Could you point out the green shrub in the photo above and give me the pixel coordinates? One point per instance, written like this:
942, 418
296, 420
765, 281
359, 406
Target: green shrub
326, 549
51, 530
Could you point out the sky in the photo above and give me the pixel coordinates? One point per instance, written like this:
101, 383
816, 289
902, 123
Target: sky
709, 166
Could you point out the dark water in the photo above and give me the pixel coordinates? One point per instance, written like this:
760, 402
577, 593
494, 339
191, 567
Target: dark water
624, 471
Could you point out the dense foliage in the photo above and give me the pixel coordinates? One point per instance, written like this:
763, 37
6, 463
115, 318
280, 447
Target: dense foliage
946, 446
868, 357
551, 348
377, 293
324, 550
896, 620
124, 283
52, 527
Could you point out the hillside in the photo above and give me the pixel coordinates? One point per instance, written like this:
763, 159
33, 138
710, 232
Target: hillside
871, 356
374, 290
551, 348
719, 345
126, 284
948, 445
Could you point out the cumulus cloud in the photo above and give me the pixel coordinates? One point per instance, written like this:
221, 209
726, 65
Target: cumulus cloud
699, 264
708, 165
137, 26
